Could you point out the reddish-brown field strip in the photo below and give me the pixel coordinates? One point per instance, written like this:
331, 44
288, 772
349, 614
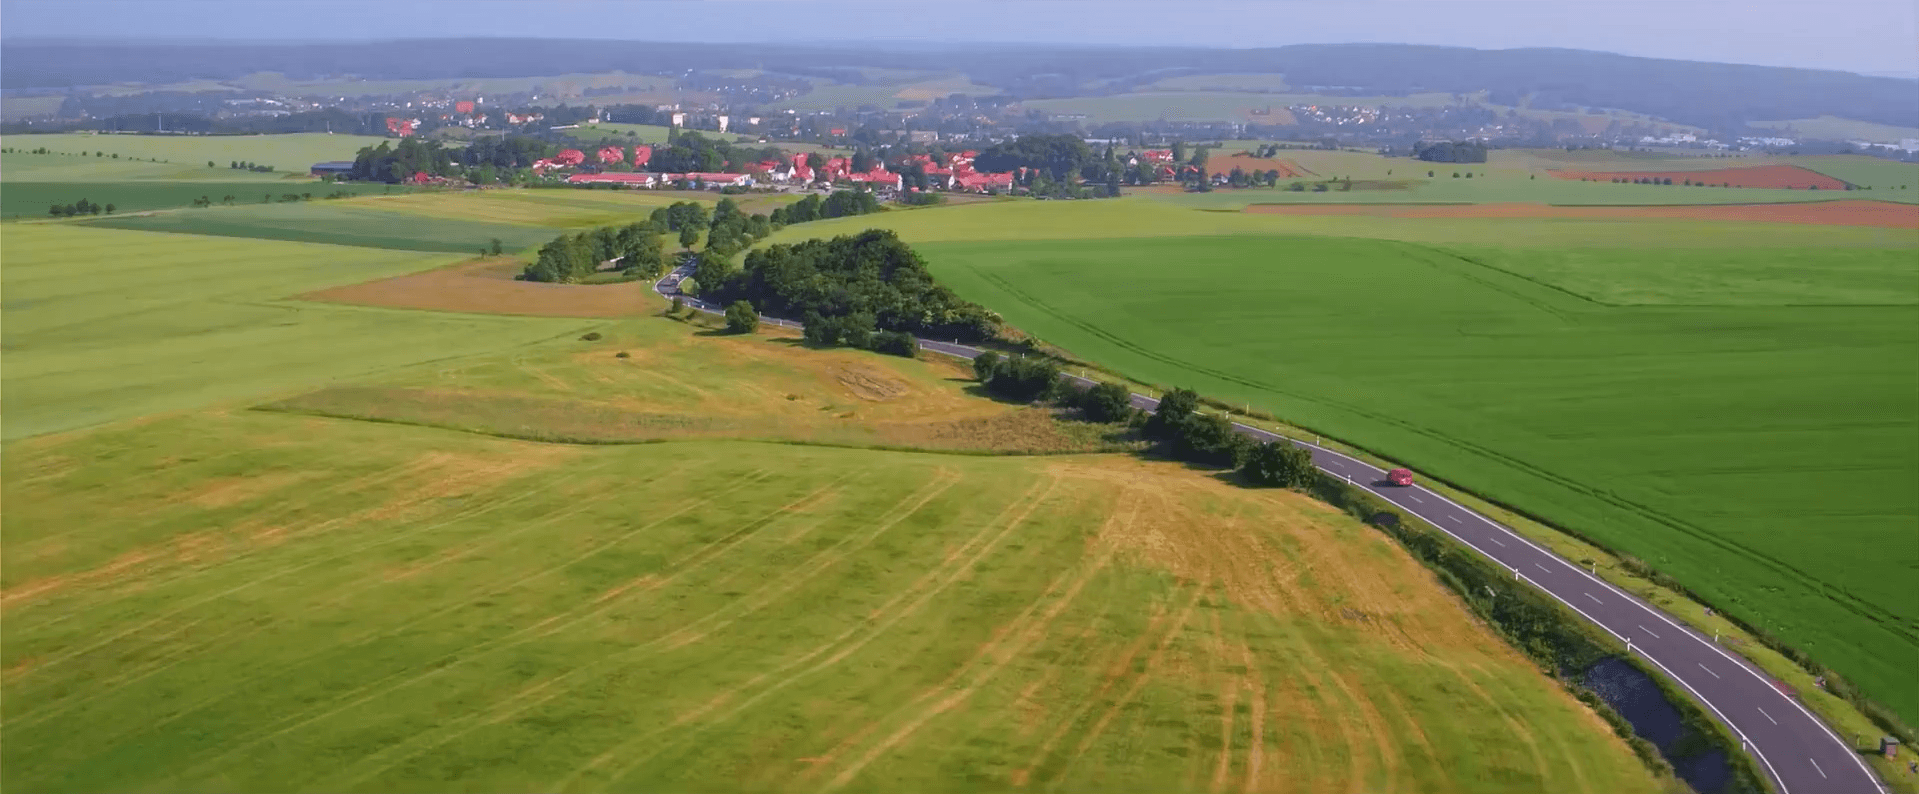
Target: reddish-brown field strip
1830, 213
1286, 168
489, 288
1768, 176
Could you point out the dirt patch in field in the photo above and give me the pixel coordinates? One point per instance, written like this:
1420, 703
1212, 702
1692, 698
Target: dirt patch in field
868, 383
1791, 177
487, 287
234, 490
1829, 213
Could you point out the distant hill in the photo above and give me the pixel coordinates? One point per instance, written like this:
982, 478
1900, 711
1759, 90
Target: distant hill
1712, 95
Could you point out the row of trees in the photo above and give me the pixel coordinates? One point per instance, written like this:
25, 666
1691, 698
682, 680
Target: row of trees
1177, 425
1451, 152
840, 204
855, 286
243, 165
81, 207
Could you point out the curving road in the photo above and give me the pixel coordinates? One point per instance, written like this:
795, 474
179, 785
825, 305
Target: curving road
1800, 752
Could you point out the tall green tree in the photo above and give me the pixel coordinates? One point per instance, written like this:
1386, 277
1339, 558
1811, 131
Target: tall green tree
741, 318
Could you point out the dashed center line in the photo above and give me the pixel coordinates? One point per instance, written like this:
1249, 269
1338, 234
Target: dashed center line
1768, 716
1542, 567
1648, 631
1495, 540
1702, 666
1594, 598
1815, 766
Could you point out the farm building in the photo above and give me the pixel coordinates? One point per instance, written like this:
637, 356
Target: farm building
632, 179
332, 168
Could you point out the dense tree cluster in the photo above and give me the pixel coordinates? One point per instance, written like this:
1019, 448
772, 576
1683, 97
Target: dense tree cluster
855, 287
243, 165
1451, 152
483, 161
1059, 157
570, 258
741, 318
1022, 379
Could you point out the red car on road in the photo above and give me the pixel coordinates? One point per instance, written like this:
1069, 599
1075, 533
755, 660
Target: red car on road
1400, 477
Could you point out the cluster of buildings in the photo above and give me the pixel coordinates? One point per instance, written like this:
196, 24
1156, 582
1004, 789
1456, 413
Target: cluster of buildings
952, 172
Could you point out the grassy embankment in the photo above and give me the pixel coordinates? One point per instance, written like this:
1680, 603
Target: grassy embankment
294, 601
1684, 425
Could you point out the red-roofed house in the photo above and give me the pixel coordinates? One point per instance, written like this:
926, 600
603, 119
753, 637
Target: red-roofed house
983, 182
712, 180
569, 157
463, 107
1157, 155
612, 154
641, 154
878, 178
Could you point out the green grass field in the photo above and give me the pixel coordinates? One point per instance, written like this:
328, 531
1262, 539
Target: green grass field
1206, 105
288, 153
31, 199
546, 208
1746, 446
1834, 128
333, 222
104, 324
643, 133
292, 602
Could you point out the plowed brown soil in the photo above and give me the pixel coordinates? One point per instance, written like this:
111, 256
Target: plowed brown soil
1769, 176
1832, 213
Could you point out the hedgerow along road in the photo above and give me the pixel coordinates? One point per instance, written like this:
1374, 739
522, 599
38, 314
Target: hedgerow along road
1800, 752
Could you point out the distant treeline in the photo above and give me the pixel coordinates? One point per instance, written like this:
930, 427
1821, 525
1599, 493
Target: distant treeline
1451, 152
483, 161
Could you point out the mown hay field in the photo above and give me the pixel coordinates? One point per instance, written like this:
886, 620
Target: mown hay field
1742, 417
105, 324
680, 381
292, 602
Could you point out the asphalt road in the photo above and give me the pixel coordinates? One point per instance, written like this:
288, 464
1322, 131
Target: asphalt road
1800, 752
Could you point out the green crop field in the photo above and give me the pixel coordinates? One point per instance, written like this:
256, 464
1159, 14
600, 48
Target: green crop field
561, 208
88, 167
642, 133
104, 324
290, 602
294, 152
334, 223
1647, 383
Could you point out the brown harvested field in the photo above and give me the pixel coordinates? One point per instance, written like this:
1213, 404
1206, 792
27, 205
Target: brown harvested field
486, 286
1829, 213
1767, 176
1287, 169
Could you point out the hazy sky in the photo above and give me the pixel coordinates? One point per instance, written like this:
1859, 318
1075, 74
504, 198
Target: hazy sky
1871, 36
